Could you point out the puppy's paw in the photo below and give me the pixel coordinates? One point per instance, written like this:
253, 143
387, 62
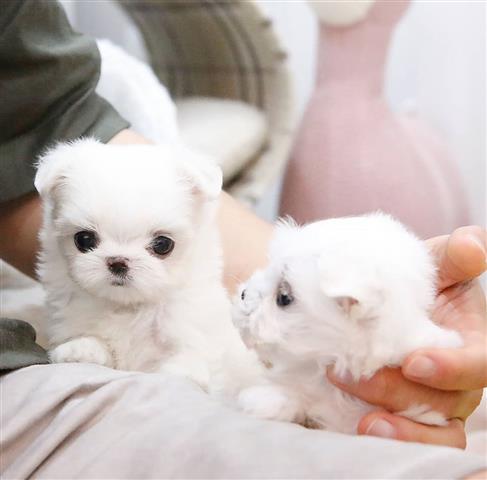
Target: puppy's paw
424, 414
447, 339
269, 402
430, 335
82, 350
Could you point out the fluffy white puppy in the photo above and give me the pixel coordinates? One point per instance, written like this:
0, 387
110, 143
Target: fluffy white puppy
350, 292
131, 263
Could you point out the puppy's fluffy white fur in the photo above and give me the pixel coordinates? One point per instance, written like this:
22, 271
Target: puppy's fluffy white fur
352, 292
355, 293
166, 313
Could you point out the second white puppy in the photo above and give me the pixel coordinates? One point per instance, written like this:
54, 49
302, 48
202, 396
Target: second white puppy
353, 292
131, 263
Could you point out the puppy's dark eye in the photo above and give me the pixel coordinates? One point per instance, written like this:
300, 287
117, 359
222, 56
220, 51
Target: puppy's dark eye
162, 245
85, 240
284, 296
242, 295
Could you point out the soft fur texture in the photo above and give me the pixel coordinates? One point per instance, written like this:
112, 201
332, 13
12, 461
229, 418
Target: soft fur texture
359, 291
168, 313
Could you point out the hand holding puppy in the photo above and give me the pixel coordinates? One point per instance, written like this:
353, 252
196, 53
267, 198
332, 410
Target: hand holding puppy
448, 379
352, 293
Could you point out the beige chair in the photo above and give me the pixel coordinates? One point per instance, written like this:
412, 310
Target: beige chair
224, 49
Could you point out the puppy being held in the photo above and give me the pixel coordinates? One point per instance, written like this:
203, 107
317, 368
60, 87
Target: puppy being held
353, 292
131, 263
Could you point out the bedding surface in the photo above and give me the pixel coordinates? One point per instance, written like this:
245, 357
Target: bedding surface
87, 421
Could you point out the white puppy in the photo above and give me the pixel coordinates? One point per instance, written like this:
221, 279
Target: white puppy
355, 293
131, 263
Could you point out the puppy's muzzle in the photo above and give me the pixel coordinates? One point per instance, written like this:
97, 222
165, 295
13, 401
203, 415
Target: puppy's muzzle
118, 265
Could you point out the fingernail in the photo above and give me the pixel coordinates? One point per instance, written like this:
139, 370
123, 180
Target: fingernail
381, 428
478, 242
420, 367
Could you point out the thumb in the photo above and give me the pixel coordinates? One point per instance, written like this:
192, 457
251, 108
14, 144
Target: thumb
460, 256
449, 369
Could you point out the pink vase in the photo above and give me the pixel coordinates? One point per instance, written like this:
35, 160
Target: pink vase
353, 154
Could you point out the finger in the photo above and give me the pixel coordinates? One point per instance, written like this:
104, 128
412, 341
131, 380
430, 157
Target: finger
449, 369
387, 425
460, 256
462, 307
391, 391
482, 475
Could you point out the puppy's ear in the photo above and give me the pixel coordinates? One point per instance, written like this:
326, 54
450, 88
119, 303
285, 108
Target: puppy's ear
345, 298
51, 169
346, 303
203, 174
53, 166
346, 289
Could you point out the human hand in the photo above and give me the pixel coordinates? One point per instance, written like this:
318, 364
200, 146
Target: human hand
448, 380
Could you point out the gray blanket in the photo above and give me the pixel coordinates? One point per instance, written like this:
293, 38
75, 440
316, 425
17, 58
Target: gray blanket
86, 421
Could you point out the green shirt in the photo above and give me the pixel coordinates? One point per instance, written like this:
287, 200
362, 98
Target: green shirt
48, 76
17, 345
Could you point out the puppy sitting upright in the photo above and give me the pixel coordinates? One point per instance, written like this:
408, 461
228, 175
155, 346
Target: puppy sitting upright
131, 262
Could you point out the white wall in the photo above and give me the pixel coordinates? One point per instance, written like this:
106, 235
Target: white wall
437, 63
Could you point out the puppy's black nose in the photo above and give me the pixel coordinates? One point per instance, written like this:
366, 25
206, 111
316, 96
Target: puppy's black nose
117, 265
